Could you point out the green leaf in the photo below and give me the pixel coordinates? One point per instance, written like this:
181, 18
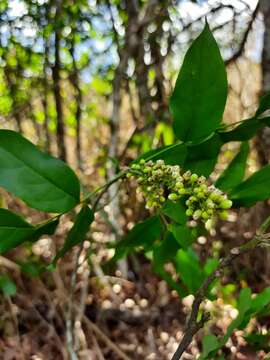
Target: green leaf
78, 231
43, 182
263, 106
46, 228
14, 230
164, 253
175, 211
142, 234
189, 270
253, 189
182, 234
172, 154
200, 93
243, 132
244, 303
32, 268
235, 171
209, 343
7, 286
260, 301
201, 158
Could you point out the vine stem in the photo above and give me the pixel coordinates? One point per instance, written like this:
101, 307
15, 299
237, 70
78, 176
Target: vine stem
193, 325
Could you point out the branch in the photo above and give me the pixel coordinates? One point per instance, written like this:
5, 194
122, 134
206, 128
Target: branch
241, 48
193, 325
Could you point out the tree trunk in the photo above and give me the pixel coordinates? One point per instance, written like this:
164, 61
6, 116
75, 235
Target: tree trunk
60, 127
47, 143
75, 80
264, 135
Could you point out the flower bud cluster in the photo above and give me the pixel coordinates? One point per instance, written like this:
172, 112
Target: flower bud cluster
159, 182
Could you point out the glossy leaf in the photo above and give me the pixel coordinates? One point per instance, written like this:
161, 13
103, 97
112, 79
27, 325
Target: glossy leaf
175, 211
243, 132
14, 230
172, 154
78, 231
209, 343
264, 106
164, 253
182, 234
201, 158
43, 182
189, 270
235, 171
200, 93
45, 228
253, 189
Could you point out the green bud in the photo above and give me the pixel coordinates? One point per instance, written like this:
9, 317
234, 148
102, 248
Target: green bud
205, 215
160, 162
142, 161
147, 170
189, 212
209, 203
187, 175
179, 185
173, 197
194, 177
200, 195
209, 224
135, 166
223, 215
197, 214
226, 204
214, 196
182, 191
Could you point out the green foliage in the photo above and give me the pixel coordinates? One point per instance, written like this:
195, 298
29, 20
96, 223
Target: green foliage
172, 178
200, 93
188, 266
142, 235
253, 189
172, 154
14, 230
78, 232
40, 180
248, 307
201, 158
7, 286
175, 210
235, 171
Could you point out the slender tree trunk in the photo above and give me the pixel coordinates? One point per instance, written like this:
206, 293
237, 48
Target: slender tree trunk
47, 143
263, 143
60, 127
75, 79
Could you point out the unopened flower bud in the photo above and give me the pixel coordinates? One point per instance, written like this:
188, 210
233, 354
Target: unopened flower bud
173, 197
226, 204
